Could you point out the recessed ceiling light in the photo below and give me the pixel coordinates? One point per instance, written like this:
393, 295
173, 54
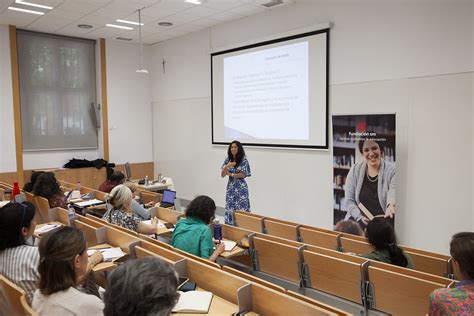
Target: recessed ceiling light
25, 10
165, 24
129, 22
120, 26
85, 26
194, 1
34, 4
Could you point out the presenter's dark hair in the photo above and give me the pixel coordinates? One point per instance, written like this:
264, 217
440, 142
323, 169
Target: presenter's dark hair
57, 253
202, 208
462, 250
381, 235
47, 186
240, 153
117, 177
34, 177
369, 138
141, 287
13, 217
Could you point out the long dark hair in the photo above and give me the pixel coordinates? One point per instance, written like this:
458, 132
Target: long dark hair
47, 186
34, 177
240, 153
202, 208
13, 217
57, 253
381, 235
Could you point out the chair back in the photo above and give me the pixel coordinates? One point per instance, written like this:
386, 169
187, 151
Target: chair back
42, 206
10, 298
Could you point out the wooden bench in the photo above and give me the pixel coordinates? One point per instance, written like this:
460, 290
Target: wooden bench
276, 258
319, 237
249, 221
281, 229
91, 233
166, 214
13, 299
335, 273
398, 293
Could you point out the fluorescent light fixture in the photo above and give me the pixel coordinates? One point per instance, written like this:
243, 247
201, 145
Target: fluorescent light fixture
119, 26
25, 10
34, 4
142, 71
129, 22
194, 1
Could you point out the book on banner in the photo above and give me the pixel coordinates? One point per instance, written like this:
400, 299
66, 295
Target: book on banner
366, 212
197, 302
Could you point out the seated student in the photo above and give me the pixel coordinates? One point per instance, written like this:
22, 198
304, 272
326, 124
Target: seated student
120, 198
349, 227
115, 179
139, 209
192, 234
19, 261
63, 266
48, 187
382, 237
28, 187
141, 288
458, 300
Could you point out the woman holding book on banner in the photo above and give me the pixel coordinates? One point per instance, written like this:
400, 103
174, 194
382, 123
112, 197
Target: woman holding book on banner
370, 184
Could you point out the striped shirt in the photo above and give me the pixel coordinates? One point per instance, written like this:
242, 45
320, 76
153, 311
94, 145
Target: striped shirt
20, 265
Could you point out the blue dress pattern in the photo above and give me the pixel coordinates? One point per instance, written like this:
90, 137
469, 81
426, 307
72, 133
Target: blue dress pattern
237, 194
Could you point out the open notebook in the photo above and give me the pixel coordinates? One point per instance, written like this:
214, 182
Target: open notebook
197, 302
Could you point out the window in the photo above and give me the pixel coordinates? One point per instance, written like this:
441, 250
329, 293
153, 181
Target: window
57, 88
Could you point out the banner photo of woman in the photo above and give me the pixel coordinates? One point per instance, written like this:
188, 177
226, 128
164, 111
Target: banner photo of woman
364, 168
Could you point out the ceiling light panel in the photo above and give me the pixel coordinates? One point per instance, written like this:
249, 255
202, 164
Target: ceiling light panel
129, 22
119, 26
26, 10
33, 4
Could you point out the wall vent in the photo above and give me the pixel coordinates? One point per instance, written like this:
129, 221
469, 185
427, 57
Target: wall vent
123, 38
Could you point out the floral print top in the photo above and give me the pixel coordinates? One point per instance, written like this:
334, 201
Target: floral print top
458, 301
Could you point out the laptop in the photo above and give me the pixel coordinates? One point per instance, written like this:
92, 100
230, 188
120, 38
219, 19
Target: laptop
168, 198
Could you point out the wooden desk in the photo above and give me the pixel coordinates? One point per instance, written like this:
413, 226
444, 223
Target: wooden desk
236, 251
39, 236
154, 187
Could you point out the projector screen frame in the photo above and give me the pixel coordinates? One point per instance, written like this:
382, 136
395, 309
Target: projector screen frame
325, 146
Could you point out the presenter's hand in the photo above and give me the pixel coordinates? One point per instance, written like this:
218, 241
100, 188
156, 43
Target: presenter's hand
365, 220
230, 164
390, 212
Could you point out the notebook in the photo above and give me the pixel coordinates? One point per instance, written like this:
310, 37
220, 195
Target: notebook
197, 302
168, 198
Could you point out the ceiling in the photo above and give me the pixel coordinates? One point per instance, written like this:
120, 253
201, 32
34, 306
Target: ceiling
186, 17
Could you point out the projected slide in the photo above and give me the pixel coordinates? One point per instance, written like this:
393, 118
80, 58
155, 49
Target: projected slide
266, 94
273, 93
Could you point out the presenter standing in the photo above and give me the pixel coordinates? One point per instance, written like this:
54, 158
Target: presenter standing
237, 168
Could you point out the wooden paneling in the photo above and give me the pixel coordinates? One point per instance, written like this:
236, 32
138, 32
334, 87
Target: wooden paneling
103, 85
16, 105
139, 170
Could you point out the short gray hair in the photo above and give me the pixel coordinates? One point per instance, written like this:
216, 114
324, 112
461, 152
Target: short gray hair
141, 287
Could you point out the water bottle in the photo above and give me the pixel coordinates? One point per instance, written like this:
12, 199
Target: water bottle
16, 190
71, 213
217, 230
146, 180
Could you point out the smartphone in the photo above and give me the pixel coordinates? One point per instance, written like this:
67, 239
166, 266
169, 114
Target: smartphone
169, 225
187, 286
122, 259
181, 282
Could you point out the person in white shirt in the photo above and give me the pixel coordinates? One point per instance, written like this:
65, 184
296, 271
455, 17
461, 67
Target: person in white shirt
63, 267
19, 261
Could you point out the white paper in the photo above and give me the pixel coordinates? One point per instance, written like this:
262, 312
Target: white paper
160, 224
46, 228
111, 253
89, 202
193, 301
229, 244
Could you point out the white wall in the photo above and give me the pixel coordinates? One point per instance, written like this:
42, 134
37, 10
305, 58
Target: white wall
401, 56
129, 111
7, 132
129, 103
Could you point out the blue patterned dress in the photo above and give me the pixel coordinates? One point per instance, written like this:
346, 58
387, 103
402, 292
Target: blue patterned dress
237, 194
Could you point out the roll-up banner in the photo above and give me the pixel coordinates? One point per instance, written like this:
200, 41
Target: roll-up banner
364, 167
